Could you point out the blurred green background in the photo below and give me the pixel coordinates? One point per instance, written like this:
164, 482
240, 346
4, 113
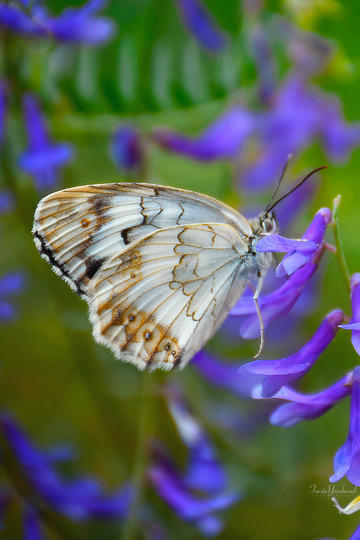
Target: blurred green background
64, 387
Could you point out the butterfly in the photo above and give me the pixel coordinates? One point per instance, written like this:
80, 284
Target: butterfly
159, 267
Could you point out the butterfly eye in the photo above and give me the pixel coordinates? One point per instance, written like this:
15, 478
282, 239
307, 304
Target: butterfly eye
268, 225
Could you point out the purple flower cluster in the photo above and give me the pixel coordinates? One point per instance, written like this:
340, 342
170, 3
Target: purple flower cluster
41, 484
201, 492
297, 115
274, 379
75, 25
42, 158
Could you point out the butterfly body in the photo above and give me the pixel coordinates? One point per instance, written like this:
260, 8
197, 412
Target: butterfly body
160, 267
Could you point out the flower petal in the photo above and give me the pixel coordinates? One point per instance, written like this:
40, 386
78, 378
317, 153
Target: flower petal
277, 243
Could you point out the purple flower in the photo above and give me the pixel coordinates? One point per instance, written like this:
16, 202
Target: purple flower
347, 458
354, 324
306, 406
229, 376
76, 25
200, 23
223, 139
280, 244
43, 158
127, 148
315, 232
278, 373
200, 492
18, 19
279, 302
205, 471
298, 115
6, 202
10, 284
3, 109
81, 25
32, 528
78, 499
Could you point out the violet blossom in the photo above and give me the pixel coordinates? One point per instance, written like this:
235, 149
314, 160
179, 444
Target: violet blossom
347, 458
222, 139
3, 109
127, 148
278, 373
201, 24
354, 324
75, 25
274, 304
10, 284
315, 232
80, 499
303, 406
43, 158
198, 494
298, 115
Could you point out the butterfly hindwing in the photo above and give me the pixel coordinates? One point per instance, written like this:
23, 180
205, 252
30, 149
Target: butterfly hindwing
156, 303
79, 229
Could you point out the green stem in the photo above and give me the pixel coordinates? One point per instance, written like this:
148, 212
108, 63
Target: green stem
138, 477
339, 247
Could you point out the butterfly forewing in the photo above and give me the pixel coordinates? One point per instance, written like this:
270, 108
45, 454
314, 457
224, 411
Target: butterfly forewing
156, 303
79, 229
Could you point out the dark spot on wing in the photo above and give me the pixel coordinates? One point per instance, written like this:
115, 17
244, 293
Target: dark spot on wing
124, 235
92, 266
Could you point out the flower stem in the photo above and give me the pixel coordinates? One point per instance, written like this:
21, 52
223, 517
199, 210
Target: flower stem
138, 476
339, 247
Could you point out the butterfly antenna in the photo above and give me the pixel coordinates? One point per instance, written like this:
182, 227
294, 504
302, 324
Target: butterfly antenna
296, 187
278, 182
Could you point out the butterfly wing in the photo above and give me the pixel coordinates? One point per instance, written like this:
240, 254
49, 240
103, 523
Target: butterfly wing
157, 303
78, 229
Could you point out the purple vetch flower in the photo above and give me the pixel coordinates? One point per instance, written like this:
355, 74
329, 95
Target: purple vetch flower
10, 284
43, 158
81, 25
32, 527
201, 24
3, 109
222, 139
354, 324
127, 148
299, 114
205, 471
198, 494
315, 232
276, 243
306, 406
6, 202
199, 509
278, 373
75, 25
79, 499
229, 376
278, 302
347, 458
20, 20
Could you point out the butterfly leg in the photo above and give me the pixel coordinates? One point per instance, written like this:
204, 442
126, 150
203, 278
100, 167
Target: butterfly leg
261, 321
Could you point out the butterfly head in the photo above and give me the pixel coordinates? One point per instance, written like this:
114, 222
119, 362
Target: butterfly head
265, 224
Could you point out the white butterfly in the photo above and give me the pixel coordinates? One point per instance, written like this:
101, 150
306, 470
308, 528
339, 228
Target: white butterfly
159, 267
